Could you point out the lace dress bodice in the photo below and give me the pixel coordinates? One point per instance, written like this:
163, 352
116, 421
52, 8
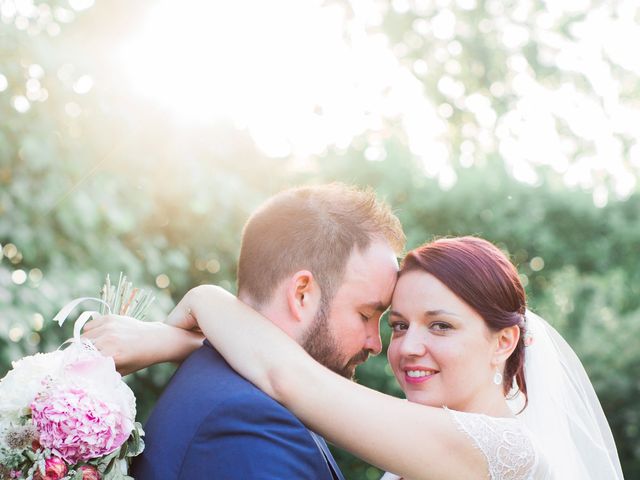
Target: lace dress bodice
504, 442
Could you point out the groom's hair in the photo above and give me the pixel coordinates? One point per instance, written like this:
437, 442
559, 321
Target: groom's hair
313, 228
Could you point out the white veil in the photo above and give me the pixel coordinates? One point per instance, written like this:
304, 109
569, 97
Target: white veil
563, 413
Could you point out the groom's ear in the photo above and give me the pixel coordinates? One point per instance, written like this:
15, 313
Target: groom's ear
303, 296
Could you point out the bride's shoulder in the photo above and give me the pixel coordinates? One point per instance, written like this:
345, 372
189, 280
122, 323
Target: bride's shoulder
505, 442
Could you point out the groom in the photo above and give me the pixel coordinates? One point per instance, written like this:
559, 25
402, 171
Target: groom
319, 262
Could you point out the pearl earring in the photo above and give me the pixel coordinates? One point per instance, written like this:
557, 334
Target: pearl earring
497, 378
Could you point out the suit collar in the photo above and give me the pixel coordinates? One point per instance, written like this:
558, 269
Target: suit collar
333, 466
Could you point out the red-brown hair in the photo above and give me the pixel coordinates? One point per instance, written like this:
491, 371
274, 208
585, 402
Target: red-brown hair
483, 277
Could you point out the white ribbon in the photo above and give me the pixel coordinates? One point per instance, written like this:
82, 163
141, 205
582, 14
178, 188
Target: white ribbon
84, 317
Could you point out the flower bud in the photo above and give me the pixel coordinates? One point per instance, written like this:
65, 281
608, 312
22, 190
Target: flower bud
55, 469
89, 472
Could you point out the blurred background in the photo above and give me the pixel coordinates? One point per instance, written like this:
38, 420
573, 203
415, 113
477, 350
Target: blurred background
138, 136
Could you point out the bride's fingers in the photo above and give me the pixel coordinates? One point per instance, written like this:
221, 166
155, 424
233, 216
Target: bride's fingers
110, 320
94, 323
96, 336
181, 317
92, 334
175, 316
105, 329
109, 341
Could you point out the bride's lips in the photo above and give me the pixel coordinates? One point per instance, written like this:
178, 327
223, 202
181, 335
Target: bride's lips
417, 375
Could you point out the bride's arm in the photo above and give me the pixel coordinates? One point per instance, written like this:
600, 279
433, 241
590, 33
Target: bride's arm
411, 440
135, 344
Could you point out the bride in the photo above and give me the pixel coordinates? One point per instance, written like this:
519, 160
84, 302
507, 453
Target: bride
493, 391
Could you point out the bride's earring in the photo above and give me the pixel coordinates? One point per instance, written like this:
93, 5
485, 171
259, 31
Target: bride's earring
497, 378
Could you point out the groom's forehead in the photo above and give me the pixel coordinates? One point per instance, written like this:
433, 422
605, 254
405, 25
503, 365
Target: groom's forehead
375, 297
375, 306
369, 278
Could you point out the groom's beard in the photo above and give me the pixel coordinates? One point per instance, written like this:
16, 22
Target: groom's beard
323, 347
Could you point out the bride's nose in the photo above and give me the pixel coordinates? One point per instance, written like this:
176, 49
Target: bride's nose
413, 343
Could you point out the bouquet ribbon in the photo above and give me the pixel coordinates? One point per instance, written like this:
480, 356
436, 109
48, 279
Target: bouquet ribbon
84, 317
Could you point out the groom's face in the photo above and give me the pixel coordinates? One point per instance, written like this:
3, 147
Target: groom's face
346, 332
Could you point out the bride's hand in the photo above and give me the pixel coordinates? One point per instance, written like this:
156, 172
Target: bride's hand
184, 315
135, 344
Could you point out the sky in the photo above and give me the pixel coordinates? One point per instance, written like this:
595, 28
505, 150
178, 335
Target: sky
305, 76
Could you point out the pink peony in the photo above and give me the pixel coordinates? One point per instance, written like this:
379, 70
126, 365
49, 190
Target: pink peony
77, 425
89, 473
87, 369
54, 469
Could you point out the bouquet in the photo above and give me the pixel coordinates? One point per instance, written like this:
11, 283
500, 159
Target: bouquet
67, 415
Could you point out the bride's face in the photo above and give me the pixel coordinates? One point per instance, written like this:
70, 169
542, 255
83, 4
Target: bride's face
440, 349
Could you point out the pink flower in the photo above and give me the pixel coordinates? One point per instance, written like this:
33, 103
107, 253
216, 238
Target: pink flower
55, 469
88, 369
87, 411
77, 425
89, 473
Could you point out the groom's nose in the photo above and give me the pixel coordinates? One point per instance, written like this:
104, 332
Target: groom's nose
373, 343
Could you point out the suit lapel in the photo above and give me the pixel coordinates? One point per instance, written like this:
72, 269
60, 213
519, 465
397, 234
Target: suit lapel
331, 463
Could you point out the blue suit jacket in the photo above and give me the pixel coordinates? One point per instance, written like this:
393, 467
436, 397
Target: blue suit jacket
212, 423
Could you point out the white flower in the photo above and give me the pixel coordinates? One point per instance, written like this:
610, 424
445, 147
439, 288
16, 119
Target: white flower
19, 387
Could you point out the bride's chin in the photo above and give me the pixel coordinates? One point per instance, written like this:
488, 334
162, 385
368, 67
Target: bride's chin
418, 397
422, 397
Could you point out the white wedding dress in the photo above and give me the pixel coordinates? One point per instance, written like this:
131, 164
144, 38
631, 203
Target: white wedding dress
505, 443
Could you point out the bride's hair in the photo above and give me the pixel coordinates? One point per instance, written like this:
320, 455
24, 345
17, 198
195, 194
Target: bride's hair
483, 277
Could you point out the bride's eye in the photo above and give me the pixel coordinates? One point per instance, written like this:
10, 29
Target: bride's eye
398, 326
440, 326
